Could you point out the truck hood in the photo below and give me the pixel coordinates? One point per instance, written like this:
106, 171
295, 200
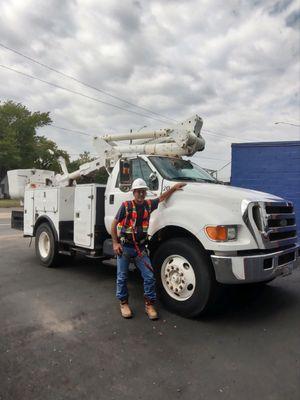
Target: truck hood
202, 204
224, 192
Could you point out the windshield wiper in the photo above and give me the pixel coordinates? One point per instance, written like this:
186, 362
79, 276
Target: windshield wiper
184, 178
189, 178
208, 180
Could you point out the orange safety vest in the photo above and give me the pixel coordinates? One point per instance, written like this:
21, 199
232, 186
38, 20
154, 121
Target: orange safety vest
127, 227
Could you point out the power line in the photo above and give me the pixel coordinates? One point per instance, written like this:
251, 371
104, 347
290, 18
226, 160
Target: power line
84, 83
210, 158
104, 92
72, 130
286, 123
79, 93
220, 169
209, 132
101, 91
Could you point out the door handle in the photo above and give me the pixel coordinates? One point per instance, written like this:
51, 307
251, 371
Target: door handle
111, 199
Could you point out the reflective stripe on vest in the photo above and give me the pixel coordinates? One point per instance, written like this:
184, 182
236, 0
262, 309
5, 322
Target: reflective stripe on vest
128, 224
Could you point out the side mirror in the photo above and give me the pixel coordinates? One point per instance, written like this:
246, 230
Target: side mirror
125, 174
153, 177
153, 181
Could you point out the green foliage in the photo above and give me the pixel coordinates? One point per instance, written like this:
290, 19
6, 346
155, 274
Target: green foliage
17, 135
21, 147
47, 153
83, 158
101, 176
96, 177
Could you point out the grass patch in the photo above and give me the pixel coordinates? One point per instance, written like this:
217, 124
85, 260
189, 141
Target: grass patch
6, 203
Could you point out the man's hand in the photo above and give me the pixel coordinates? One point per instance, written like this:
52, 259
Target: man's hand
168, 193
179, 186
118, 249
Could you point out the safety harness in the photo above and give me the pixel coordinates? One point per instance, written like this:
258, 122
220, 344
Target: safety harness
127, 227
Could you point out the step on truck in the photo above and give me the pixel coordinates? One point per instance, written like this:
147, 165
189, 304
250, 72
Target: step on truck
204, 236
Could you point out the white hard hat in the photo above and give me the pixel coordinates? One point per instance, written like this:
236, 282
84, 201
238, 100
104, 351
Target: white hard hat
139, 184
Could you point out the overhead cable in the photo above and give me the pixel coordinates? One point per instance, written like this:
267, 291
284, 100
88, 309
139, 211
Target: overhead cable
209, 132
79, 93
84, 83
72, 130
107, 93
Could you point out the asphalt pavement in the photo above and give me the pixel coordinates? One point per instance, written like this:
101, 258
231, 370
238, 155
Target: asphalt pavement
62, 338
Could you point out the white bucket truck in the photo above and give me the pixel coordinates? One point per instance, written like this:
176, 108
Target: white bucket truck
205, 235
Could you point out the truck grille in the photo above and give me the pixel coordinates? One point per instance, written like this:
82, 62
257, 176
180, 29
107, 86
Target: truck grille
274, 224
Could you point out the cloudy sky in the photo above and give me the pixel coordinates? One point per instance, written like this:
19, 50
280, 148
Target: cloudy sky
234, 63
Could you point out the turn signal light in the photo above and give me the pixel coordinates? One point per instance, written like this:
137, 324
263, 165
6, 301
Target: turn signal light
216, 232
221, 233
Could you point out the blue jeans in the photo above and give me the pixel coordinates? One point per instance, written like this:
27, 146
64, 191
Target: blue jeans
143, 263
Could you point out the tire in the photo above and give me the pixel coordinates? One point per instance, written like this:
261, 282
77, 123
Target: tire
46, 248
185, 278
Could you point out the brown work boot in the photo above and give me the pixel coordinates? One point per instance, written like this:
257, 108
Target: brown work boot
125, 309
150, 310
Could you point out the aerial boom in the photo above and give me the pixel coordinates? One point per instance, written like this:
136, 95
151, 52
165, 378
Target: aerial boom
183, 139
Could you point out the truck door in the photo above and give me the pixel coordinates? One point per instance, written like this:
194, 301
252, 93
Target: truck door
83, 216
114, 199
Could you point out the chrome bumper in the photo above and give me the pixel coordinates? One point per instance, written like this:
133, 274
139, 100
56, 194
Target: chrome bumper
255, 268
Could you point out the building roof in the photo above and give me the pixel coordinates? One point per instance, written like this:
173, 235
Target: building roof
268, 144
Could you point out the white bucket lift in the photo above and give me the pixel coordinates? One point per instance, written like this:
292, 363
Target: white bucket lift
18, 179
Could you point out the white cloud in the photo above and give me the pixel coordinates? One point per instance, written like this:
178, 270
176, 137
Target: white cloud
236, 64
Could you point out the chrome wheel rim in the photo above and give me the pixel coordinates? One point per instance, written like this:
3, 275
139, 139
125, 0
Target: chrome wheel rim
178, 277
44, 244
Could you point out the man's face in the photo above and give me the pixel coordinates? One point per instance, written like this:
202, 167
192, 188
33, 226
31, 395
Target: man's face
139, 195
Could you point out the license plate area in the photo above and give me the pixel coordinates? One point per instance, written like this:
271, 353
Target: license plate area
285, 269
286, 258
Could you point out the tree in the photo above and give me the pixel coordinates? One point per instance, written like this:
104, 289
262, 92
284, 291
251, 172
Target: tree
83, 158
101, 176
20, 147
97, 176
46, 154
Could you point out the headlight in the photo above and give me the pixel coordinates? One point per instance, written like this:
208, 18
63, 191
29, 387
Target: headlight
221, 233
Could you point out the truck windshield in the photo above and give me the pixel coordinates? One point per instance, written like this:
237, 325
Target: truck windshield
176, 169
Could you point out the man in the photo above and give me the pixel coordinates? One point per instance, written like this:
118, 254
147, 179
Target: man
129, 233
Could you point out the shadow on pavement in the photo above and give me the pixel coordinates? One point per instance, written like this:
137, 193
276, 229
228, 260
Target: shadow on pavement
251, 303
93, 268
244, 303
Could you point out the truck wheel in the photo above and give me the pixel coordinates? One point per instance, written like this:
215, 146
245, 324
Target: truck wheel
185, 277
46, 247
